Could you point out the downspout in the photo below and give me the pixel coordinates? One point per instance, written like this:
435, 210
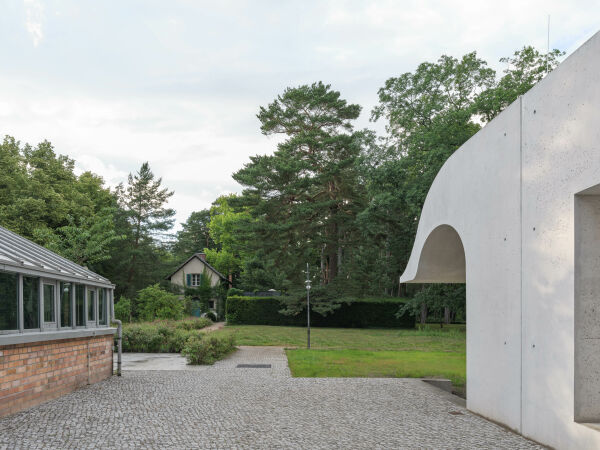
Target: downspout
119, 333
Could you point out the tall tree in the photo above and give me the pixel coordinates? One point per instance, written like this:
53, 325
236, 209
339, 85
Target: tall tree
194, 235
305, 196
144, 201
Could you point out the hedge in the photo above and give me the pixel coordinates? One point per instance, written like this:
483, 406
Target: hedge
351, 314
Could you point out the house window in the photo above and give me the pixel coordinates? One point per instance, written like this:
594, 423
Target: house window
211, 304
9, 302
66, 318
196, 279
31, 302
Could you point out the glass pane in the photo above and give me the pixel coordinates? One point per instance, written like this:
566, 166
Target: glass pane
91, 305
49, 312
80, 305
102, 306
31, 302
66, 318
9, 301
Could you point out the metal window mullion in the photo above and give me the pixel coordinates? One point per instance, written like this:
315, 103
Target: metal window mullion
73, 306
96, 307
57, 303
41, 302
20, 307
85, 305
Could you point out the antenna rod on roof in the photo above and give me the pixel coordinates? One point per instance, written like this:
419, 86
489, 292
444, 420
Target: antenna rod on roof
548, 47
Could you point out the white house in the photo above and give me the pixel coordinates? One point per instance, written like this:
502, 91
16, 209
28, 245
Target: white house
515, 213
190, 274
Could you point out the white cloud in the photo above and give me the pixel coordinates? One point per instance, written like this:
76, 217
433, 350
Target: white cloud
179, 83
35, 14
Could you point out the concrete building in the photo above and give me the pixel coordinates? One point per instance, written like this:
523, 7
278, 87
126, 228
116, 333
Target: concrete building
192, 271
54, 325
515, 213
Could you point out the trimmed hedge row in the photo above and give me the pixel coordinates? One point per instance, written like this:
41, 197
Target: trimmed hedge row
351, 313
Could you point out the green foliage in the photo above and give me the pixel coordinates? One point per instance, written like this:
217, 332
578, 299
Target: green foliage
437, 302
194, 235
156, 303
144, 216
162, 336
123, 310
42, 199
351, 313
206, 349
304, 197
234, 292
525, 68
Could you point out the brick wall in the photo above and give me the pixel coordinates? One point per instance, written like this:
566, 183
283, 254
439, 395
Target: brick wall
40, 371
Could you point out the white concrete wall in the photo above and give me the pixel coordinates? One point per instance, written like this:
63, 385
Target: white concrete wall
194, 266
509, 193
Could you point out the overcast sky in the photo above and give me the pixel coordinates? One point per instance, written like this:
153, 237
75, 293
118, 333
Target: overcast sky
179, 83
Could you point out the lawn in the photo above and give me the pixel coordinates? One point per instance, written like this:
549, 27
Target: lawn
350, 352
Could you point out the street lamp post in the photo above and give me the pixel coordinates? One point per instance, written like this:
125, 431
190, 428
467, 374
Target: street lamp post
307, 282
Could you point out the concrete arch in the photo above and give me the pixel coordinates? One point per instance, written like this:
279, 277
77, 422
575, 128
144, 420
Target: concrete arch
442, 258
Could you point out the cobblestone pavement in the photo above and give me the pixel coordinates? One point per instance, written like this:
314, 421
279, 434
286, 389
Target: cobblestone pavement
226, 407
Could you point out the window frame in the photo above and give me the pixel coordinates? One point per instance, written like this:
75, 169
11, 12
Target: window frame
19, 304
93, 323
55, 326
199, 279
56, 323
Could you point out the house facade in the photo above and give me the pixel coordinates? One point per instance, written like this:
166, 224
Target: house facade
55, 332
192, 272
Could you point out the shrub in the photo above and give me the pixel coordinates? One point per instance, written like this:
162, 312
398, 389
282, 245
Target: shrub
376, 312
232, 292
123, 310
206, 349
193, 323
161, 336
156, 303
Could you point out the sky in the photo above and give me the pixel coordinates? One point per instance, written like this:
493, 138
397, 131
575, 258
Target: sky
179, 83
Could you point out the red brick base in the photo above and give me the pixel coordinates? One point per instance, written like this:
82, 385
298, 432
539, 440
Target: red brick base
36, 372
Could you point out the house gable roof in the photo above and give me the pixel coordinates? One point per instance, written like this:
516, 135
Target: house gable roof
197, 256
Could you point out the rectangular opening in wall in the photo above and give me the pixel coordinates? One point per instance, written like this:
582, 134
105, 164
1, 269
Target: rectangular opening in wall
66, 317
9, 301
31, 302
587, 306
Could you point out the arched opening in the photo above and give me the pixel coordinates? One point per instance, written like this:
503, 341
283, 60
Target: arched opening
442, 258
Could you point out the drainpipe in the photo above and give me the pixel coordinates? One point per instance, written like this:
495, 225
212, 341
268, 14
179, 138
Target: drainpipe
119, 334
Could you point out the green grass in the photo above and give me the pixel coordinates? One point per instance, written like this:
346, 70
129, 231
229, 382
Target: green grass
349, 352
429, 339
386, 364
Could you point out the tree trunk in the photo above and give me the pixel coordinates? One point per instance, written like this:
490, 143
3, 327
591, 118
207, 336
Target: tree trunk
447, 314
423, 313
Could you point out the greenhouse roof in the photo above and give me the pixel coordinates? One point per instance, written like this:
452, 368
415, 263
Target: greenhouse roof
18, 254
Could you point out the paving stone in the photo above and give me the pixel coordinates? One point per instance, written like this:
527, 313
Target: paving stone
227, 407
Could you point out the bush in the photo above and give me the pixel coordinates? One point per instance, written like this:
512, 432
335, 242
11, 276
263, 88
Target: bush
161, 336
123, 310
376, 312
206, 349
233, 292
156, 303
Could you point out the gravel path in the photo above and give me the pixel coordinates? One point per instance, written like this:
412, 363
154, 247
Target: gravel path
228, 407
